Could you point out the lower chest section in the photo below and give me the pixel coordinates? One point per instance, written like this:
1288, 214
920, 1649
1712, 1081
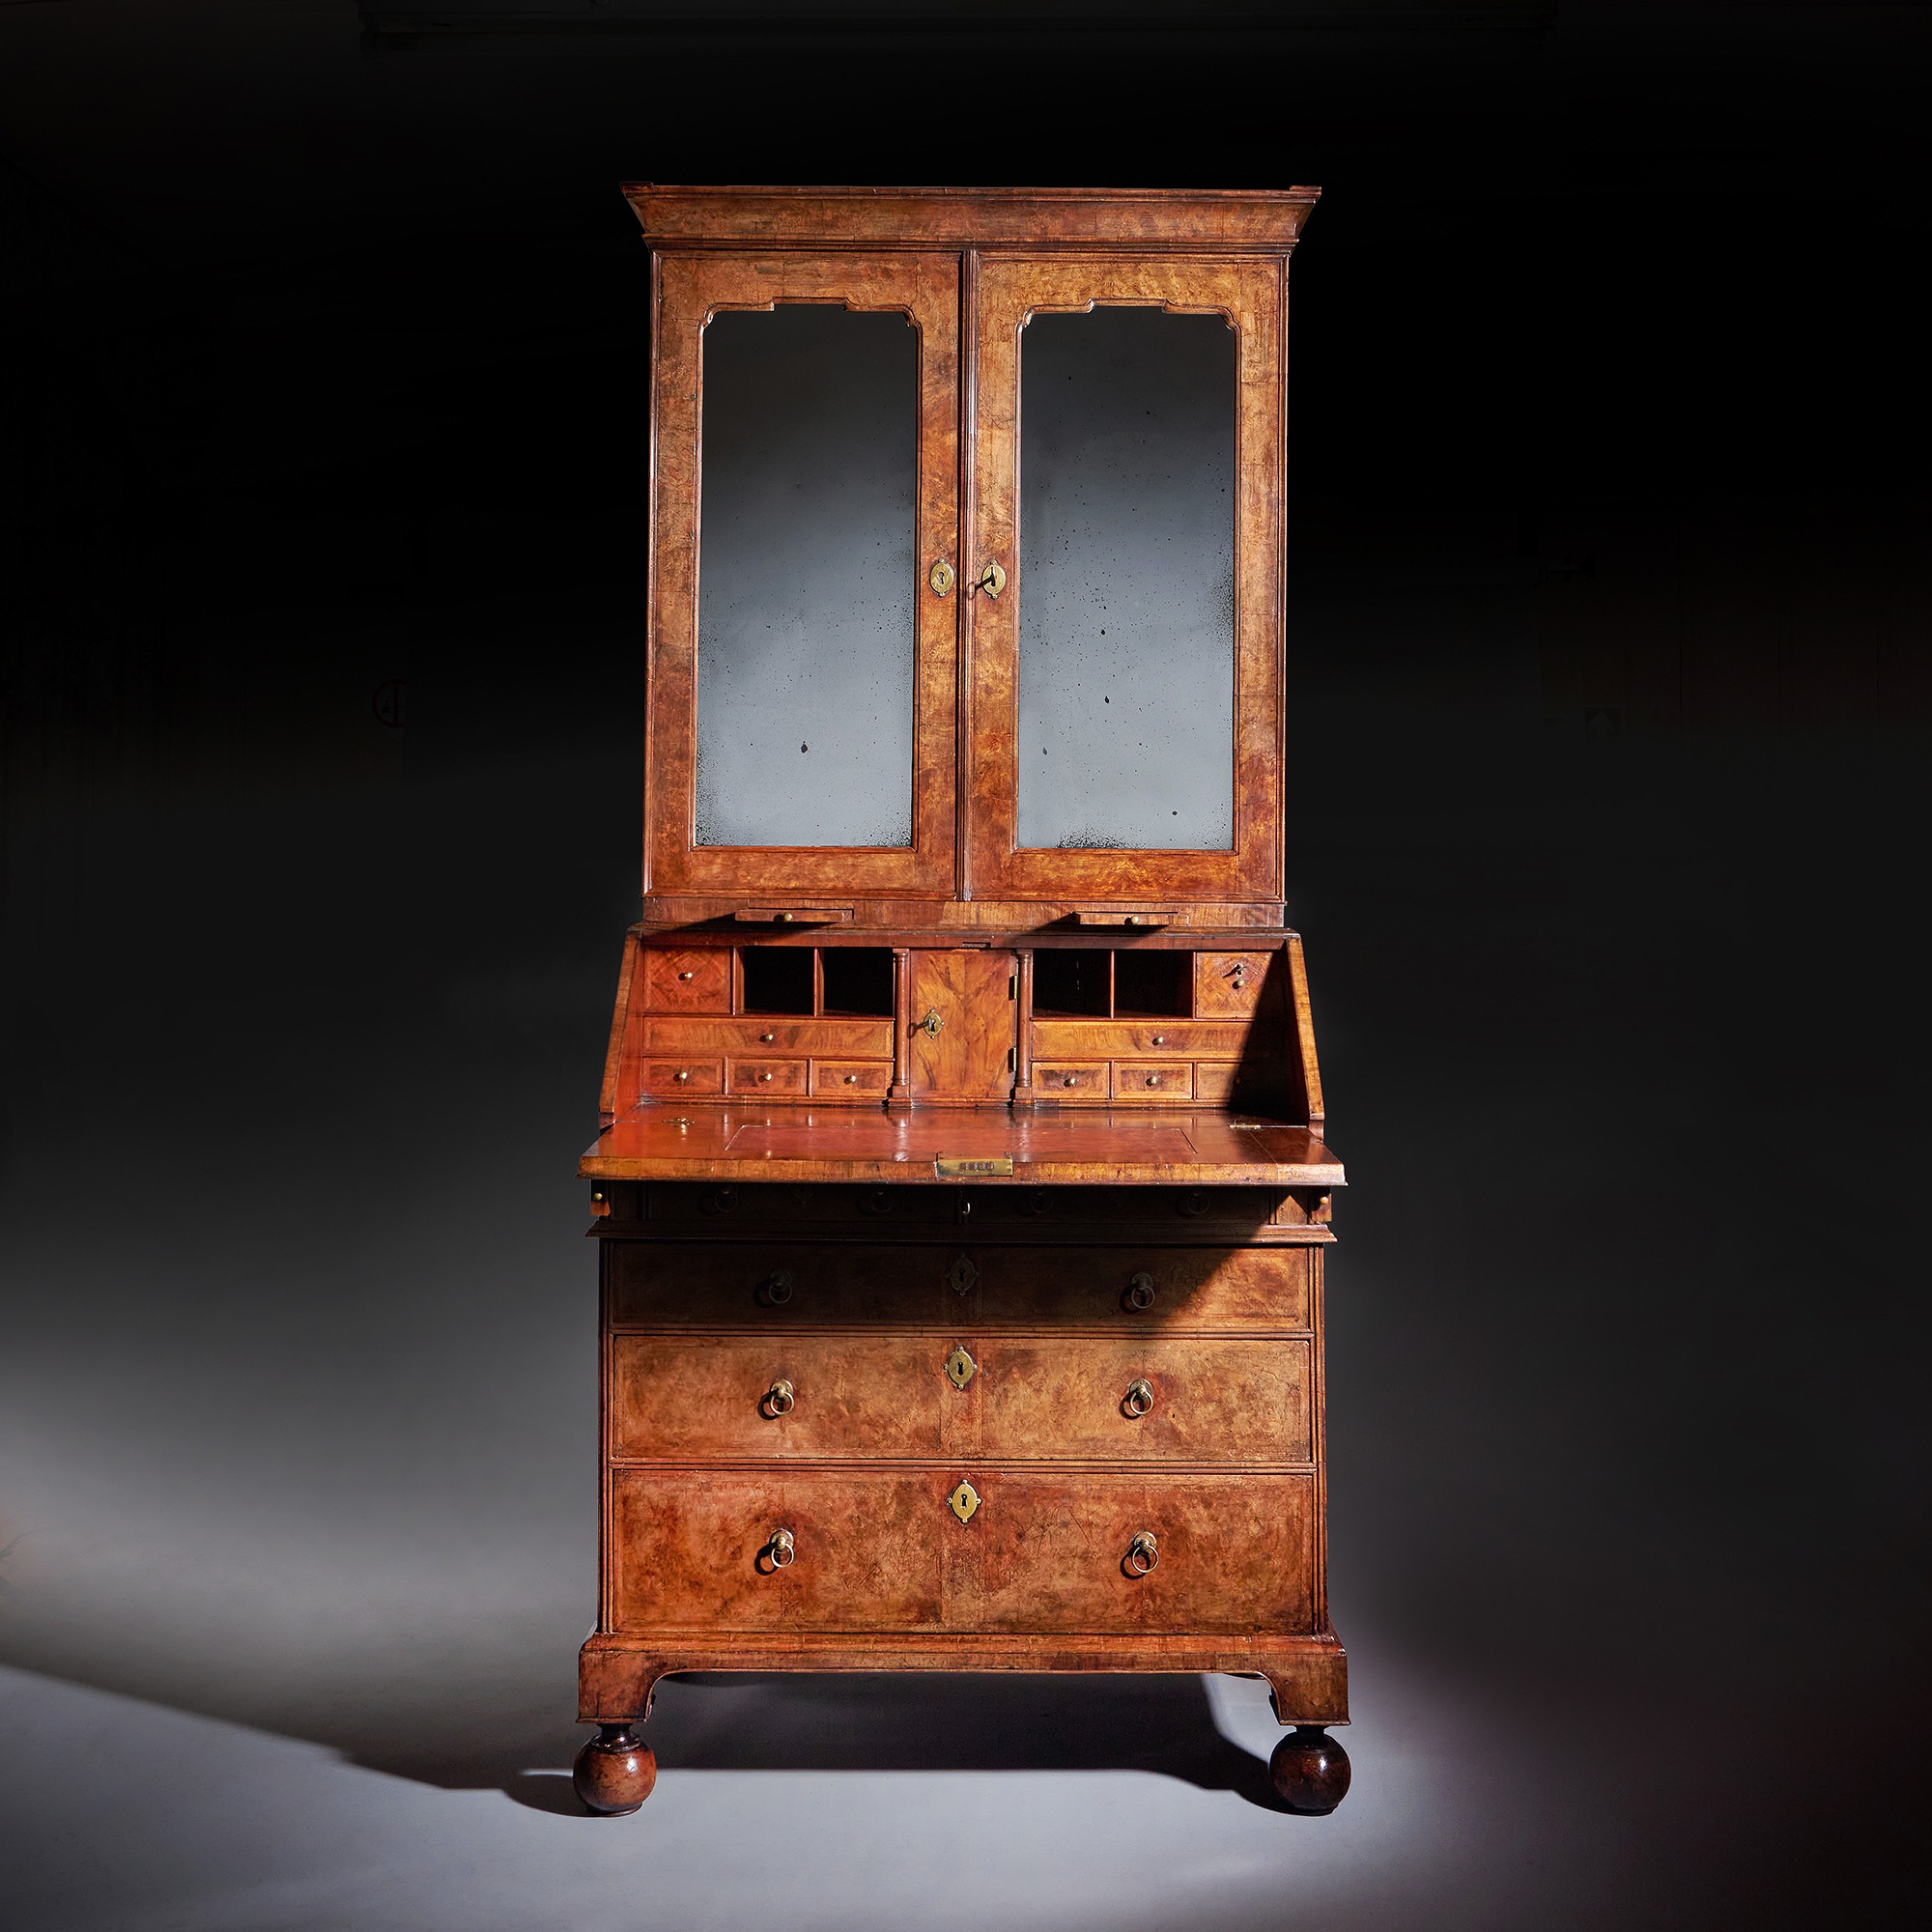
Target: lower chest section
809, 1433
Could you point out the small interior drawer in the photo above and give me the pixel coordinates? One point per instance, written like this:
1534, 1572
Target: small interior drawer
1060, 1080
688, 979
1153, 1080
767, 1077
668, 1079
851, 1079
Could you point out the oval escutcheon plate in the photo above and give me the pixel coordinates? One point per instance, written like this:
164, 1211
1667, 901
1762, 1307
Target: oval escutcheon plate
963, 1501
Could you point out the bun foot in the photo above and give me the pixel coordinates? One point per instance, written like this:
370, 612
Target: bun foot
1310, 1770
614, 1772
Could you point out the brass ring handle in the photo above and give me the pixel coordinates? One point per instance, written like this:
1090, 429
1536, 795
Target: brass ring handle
782, 1550
780, 1398
1143, 1553
1140, 1291
1139, 1397
777, 1287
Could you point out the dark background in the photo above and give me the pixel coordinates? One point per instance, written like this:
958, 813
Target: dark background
321, 558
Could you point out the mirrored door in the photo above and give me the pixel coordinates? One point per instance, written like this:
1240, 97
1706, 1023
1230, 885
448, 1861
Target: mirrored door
803, 727
1127, 673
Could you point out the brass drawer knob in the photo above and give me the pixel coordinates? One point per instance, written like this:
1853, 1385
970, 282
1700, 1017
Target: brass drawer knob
767, 1037
781, 1398
1160, 1039
1140, 1291
851, 1080
687, 976
782, 1550
1139, 1397
764, 1077
1069, 1079
1153, 1080
682, 1074
1143, 1553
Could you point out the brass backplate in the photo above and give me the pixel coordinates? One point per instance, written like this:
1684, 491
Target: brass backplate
962, 1276
963, 1501
960, 1368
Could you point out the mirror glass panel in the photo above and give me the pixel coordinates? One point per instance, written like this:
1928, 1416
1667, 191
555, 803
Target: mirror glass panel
808, 521
1126, 581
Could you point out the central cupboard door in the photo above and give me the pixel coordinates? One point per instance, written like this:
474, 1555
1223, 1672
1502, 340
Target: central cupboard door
804, 487
1127, 439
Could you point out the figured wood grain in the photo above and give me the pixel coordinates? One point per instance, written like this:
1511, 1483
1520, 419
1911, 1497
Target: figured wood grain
1176, 1148
1249, 294
692, 288
1307, 1676
973, 994
706, 1397
1141, 221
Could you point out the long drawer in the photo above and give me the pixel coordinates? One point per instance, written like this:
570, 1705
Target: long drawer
885, 1550
1152, 1399
790, 1284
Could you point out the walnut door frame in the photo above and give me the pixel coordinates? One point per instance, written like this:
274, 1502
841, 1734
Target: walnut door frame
689, 290
1251, 295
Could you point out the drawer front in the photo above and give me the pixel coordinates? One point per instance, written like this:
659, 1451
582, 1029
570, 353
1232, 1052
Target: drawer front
1165, 1399
851, 1079
1232, 1553
669, 1078
1203, 1402
775, 1285
1058, 1080
1230, 986
690, 979
700, 1397
764, 1078
875, 1550
1148, 1287
764, 1038
1140, 1039
780, 1285
1153, 1080
719, 1207
690, 1549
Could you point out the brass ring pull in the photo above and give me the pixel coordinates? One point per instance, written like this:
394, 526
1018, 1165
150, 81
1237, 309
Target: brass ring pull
777, 1291
1143, 1553
780, 1399
1140, 1291
782, 1550
1139, 1397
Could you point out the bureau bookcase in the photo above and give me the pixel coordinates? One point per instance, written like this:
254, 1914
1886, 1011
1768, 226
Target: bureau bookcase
961, 1195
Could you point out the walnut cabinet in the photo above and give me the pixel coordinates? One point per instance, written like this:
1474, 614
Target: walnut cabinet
961, 1195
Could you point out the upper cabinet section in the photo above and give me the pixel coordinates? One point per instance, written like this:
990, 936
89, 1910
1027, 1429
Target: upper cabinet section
966, 536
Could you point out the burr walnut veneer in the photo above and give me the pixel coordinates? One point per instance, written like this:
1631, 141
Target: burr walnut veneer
961, 1194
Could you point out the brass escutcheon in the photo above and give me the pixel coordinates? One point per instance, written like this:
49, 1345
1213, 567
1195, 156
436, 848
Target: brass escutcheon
993, 580
960, 1367
963, 1501
962, 1276
940, 576
930, 1024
